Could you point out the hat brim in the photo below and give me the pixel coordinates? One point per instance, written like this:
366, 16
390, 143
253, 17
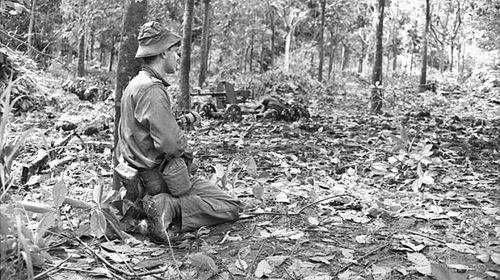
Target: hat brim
158, 47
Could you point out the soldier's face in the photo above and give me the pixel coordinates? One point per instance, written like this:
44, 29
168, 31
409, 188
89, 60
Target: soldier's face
170, 60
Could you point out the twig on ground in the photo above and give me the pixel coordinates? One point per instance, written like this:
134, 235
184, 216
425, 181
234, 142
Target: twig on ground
122, 257
53, 269
359, 259
426, 236
319, 201
249, 272
171, 249
300, 210
117, 276
101, 258
83, 270
289, 274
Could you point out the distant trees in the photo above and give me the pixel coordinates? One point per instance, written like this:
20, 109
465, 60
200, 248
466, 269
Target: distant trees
376, 98
234, 36
185, 67
205, 43
423, 71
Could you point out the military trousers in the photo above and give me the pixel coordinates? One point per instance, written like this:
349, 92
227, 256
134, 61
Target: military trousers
205, 204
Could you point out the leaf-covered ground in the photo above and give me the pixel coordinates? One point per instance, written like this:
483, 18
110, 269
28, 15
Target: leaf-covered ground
410, 194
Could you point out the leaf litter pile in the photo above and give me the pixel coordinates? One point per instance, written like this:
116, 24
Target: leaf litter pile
410, 194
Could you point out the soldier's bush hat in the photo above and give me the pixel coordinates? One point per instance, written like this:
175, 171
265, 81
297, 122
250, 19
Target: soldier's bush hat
154, 39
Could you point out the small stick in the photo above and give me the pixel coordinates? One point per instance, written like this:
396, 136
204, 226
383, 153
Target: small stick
121, 256
254, 259
53, 269
359, 259
83, 270
101, 258
426, 236
300, 210
318, 201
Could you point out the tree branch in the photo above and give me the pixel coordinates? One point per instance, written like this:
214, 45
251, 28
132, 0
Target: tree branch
27, 45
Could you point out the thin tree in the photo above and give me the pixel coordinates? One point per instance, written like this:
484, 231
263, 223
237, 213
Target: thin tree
321, 42
423, 72
204, 43
81, 42
376, 98
272, 11
31, 26
135, 15
185, 98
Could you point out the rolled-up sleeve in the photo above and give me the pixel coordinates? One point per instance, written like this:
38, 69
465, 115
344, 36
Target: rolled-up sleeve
154, 113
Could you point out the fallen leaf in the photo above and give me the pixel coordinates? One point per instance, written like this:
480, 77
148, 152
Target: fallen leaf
418, 259
241, 265
491, 274
234, 270
258, 192
363, 239
119, 248
462, 248
282, 197
495, 257
115, 257
381, 272
441, 272
313, 221
422, 264
322, 259
414, 248
102, 271
348, 275
459, 267
252, 167
318, 277
59, 192
204, 262
263, 269
276, 260
484, 258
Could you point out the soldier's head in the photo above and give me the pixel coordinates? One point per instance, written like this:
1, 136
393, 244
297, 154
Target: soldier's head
159, 46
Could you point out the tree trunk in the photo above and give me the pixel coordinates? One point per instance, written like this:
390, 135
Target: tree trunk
462, 51
204, 43
135, 15
262, 54
361, 60
185, 67
250, 63
423, 72
330, 56
287, 48
273, 38
244, 58
452, 49
376, 98
346, 56
92, 44
112, 54
411, 58
81, 43
31, 27
321, 43
81, 55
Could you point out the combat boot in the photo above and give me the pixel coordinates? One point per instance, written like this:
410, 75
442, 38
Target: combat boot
160, 210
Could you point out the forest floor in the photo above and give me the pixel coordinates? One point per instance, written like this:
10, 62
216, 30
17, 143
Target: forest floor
413, 193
